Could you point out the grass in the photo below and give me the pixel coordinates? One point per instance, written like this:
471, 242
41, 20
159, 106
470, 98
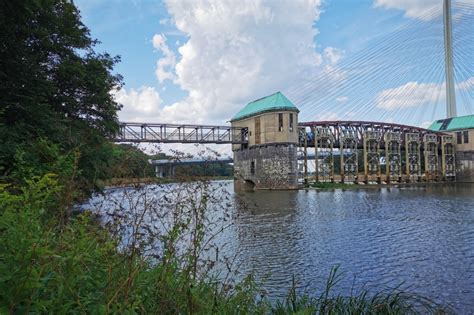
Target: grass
51, 262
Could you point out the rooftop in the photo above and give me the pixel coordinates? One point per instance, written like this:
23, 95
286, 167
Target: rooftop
455, 123
274, 102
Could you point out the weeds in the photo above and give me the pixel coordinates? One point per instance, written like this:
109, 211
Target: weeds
155, 249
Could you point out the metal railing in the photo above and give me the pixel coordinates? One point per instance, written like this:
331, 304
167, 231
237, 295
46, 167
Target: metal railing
172, 133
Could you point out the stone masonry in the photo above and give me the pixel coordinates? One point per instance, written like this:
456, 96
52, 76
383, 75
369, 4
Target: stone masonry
465, 166
266, 167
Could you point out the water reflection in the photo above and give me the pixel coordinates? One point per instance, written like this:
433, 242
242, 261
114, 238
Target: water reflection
422, 236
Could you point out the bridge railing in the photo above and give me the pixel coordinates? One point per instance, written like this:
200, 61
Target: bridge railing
173, 133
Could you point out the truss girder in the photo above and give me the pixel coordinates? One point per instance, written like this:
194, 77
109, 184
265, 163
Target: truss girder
171, 133
410, 153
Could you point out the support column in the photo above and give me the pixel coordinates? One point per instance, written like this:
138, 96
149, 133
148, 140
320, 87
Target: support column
448, 55
325, 142
341, 153
349, 162
412, 157
431, 156
372, 156
316, 158
159, 171
392, 156
305, 165
448, 163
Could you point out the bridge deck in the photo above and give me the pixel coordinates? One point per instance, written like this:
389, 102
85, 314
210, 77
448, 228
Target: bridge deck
206, 134
173, 133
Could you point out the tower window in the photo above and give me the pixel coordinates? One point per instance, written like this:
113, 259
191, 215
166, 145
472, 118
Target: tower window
291, 122
280, 122
459, 137
466, 136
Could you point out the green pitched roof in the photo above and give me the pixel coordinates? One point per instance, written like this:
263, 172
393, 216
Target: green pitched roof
273, 102
456, 123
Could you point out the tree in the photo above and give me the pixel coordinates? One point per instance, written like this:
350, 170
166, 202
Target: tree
128, 161
54, 87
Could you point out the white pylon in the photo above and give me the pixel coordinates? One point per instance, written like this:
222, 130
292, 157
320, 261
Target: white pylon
448, 55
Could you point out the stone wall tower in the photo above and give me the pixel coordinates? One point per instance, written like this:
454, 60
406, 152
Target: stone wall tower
269, 161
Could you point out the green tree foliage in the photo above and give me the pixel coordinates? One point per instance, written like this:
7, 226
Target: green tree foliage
128, 161
54, 91
206, 169
49, 265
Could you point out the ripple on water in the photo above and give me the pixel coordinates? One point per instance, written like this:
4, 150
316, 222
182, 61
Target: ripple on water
423, 237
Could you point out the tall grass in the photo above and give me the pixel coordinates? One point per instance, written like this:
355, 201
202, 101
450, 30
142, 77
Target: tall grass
155, 255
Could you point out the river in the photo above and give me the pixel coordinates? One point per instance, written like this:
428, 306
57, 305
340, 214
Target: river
419, 237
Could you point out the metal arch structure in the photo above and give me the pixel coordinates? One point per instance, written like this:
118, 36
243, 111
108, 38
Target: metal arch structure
390, 152
174, 133
361, 126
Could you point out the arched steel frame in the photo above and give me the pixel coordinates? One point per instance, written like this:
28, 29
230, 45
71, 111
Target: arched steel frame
406, 153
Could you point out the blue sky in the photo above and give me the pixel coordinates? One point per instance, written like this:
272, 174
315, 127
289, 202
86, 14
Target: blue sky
126, 28
201, 61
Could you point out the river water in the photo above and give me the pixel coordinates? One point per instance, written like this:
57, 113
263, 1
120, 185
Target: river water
421, 238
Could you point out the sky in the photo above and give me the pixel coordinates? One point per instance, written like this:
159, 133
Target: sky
201, 61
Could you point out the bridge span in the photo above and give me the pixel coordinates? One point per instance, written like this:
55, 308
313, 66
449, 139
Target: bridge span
179, 133
136, 132
342, 150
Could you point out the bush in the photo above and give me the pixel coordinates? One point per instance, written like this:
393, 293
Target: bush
48, 264
53, 263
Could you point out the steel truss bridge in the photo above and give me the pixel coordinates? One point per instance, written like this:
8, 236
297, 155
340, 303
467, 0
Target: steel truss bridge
376, 152
346, 151
173, 133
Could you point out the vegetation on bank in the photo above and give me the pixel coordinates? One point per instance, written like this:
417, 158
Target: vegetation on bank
52, 262
56, 113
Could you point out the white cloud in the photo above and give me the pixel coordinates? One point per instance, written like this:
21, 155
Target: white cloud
342, 99
164, 21
414, 94
333, 55
237, 51
409, 95
415, 9
466, 85
166, 64
328, 116
141, 105
426, 124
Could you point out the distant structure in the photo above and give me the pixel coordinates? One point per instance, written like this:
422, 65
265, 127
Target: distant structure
268, 160
462, 130
448, 56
